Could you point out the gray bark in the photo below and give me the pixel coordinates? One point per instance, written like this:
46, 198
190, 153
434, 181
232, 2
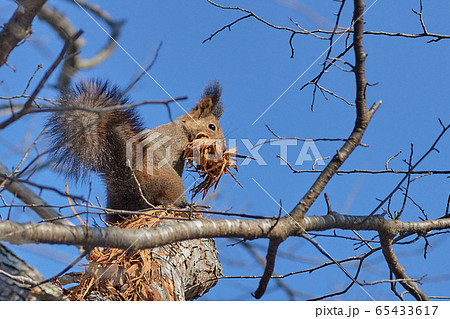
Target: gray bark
15, 286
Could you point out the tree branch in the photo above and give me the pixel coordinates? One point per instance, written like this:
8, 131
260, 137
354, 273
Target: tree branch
397, 269
63, 26
27, 196
20, 233
18, 27
363, 117
27, 108
269, 268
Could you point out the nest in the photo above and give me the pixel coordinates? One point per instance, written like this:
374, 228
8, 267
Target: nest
115, 274
204, 156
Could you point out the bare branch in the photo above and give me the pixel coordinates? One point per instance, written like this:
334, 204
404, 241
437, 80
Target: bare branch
18, 27
363, 117
27, 108
259, 259
321, 139
42, 187
373, 172
397, 269
17, 233
66, 269
411, 169
228, 26
63, 26
268, 270
132, 84
324, 90
322, 34
390, 159
408, 183
27, 196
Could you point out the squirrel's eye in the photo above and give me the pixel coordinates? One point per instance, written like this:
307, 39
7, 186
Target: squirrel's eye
212, 127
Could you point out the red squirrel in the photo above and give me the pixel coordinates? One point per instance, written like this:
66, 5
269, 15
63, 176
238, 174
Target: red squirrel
84, 141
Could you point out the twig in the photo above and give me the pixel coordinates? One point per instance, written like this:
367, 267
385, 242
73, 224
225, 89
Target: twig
325, 66
27, 108
322, 89
326, 254
33, 201
72, 264
228, 26
448, 207
31, 79
408, 183
391, 158
327, 200
410, 170
155, 57
344, 290
318, 159
41, 187
320, 139
140, 189
365, 171
422, 23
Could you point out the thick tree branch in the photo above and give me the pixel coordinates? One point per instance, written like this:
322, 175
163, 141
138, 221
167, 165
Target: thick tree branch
18, 27
21, 233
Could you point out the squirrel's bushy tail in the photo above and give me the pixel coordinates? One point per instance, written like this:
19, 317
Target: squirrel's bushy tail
83, 138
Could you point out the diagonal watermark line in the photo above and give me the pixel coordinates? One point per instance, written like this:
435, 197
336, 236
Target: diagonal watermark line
289, 87
307, 236
132, 58
309, 67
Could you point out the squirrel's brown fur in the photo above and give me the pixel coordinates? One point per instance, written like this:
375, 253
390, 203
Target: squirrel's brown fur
84, 141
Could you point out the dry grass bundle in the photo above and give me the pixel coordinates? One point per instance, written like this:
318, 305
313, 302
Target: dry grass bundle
205, 157
116, 274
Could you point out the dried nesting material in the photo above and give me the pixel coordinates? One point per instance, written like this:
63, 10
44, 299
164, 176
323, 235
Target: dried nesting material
205, 156
129, 275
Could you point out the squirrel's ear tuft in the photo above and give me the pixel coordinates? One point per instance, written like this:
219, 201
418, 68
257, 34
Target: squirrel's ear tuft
210, 102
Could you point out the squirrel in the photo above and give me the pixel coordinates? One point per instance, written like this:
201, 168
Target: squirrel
85, 139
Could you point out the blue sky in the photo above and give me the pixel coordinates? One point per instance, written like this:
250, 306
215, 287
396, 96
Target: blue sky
254, 66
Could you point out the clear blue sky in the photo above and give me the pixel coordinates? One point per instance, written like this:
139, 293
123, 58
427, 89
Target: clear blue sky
254, 66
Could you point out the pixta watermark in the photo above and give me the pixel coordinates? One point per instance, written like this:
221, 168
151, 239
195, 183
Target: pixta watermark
149, 150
